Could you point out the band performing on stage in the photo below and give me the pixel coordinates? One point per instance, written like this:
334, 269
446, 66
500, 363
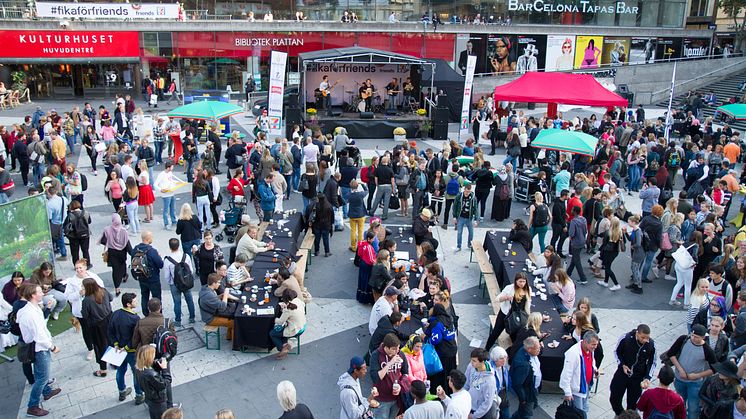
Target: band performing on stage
395, 97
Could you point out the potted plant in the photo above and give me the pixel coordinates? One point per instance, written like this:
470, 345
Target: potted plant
18, 79
421, 112
425, 126
400, 134
311, 112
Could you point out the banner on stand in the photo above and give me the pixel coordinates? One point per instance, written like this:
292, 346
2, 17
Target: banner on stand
276, 91
471, 63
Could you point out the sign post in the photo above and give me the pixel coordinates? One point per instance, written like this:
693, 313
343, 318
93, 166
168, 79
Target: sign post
276, 91
471, 64
669, 117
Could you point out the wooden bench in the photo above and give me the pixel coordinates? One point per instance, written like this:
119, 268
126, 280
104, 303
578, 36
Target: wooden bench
493, 290
307, 245
485, 267
493, 320
301, 267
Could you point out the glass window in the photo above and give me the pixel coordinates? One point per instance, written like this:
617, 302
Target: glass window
672, 15
649, 13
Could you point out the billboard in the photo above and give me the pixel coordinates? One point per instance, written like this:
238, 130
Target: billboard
88, 11
348, 77
471, 44
695, 47
668, 49
642, 50
615, 51
560, 53
588, 51
26, 241
501, 54
532, 53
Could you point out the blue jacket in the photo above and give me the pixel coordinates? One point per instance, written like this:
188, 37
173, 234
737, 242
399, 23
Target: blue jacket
267, 196
522, 377
155, 263
121, 328
357, 203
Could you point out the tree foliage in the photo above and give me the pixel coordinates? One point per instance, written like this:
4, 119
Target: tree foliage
736, 9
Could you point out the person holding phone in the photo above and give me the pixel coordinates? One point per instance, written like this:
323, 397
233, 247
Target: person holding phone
152, 382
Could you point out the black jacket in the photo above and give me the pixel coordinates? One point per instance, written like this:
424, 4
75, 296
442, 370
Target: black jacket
331, 192
189, 230
701, 318
153, 384
445, 348
653, 226
641, 359
121, 328
523, 237
483, 179
420, 230
231, 153
379, 277
384, 328
414, 178
559, 212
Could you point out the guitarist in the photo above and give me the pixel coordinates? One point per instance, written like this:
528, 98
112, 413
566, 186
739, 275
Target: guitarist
392, 90
326, 94
366, 93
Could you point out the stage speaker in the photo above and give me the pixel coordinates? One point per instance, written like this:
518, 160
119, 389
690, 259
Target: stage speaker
440, 132
293, 116
623, 89
442, 100
440, 115
293, 100
366, 115
391, 112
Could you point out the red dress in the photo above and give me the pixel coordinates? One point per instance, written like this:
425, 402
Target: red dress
146, 196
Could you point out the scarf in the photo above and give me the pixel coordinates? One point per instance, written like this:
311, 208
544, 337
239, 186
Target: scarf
502, 173
116, 235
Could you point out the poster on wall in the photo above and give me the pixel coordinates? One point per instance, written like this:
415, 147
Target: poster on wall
588, 51
468, 45
668, 49
642, 50
501, 54
695, 48
615, 51
26, 240
560, 53
532, 53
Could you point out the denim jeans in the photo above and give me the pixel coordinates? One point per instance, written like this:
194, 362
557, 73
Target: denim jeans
4, 198
60, 302
158, 152
295, 178
42, 366
345, 196
634, 178
60, 245
386, 410
575, 262
461, 223
132, 216
129, 361
38, 170
582, 404
176, 295
318, 236
189, 171
186, 247
203, 211
649, 255
689, 391
512, 160
148, 289
169, 210
278, 339
542, 232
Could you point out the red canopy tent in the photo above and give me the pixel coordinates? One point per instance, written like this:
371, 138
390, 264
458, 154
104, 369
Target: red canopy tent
553, 88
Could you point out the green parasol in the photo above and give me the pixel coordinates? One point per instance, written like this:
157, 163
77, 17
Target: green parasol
562, 140
209, 110
736, 111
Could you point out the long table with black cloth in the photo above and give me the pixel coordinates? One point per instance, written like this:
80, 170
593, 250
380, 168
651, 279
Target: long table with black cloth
505, 267
252, 330
405, 243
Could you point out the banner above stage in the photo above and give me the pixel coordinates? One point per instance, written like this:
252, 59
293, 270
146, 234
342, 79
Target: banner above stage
348, 78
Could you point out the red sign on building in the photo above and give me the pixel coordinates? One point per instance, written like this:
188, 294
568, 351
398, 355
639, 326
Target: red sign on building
69, 44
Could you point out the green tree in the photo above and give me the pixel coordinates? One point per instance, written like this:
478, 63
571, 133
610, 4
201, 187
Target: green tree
736, 9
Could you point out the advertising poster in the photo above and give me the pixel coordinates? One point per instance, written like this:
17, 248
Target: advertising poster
471, 45
668, 49
696, 48
615, 52
642, 50
466, 104
531, 52
588, 51
560, 53
276, 91
26, 240
501, 54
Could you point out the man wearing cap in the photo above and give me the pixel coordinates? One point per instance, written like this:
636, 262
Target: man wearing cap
352, 403
692, 359
422, 230
465, 215
385, 305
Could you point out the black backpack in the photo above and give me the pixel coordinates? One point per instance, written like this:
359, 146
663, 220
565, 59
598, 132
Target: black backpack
165, 341
75, 225
15, 328
541, 215
647, 242
139, 265
183, 277
83, 182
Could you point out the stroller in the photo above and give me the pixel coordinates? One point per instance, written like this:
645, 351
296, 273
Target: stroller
232, 220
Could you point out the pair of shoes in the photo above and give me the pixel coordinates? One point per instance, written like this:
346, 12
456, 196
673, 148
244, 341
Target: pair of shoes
62, 258
583, 281
56, 315
89, 356
670, 278
615, 287
99, 374
562, 255
327, 254
647, 281
118, 292
167, 227
315, 253
192, 321
602, 283
457, 249
674, 303
36, 411
177, 325
630, 286
139, 399
444, 226
124, 393
636, 290
52, 394
352, 249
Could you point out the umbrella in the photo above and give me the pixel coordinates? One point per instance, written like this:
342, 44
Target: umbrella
736, 111
562, 140
210, 110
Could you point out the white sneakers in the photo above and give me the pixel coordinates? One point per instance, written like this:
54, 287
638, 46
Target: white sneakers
616, 287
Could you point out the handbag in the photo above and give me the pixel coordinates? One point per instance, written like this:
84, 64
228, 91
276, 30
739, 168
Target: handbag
682, 257
431, 359
666, 241
99, 147
26, 352
105, 256
515, 320
123, 215
567, 411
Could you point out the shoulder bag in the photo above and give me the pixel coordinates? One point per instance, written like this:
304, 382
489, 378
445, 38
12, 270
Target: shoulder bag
26, 352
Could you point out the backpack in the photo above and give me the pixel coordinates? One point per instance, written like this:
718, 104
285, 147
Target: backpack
165, 341
504, 192
453, 186
541, 215
15, 328
183, 277
75, 226
303, 184
623, 169
655, 414
654, 166
139, 265
674, 159
83, 182
647, 243
364, 174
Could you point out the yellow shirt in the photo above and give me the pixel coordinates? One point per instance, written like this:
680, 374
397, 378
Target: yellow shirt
58, 148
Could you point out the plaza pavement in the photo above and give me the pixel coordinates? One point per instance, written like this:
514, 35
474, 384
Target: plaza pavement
205, 381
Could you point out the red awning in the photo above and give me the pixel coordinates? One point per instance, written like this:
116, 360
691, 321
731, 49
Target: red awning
564, 88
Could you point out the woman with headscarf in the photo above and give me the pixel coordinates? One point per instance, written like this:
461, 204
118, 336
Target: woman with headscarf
118, 246
716, 308
502, 197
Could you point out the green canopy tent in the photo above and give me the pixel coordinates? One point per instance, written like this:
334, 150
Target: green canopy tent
209, 110
562, 140
736, 111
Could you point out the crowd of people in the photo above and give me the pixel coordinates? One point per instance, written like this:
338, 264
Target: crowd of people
682, 237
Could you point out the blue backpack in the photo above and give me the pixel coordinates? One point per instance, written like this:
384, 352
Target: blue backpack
453, 187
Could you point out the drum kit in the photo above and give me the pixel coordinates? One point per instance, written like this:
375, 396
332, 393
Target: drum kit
356, 102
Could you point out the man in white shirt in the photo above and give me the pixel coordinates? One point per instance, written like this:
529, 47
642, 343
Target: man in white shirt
383, 307
34, 329
165, 183
422, 408
169, 267
127, 170
458, 405
311, 154
250, 245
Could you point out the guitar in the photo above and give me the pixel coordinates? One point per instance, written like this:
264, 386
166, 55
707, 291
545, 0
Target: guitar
367, 93
326, 92
393, 92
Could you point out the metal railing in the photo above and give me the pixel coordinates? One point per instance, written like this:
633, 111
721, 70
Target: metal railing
699, 80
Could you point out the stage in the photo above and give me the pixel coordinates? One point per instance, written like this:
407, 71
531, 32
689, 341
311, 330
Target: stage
381, 126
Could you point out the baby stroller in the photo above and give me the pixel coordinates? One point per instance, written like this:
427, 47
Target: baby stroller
232, 220
354, 154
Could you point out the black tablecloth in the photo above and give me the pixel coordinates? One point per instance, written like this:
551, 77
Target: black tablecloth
551, 359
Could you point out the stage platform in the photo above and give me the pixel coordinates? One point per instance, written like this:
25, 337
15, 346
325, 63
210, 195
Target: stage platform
381, 126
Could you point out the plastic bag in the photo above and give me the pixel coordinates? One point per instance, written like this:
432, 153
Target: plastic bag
338, 219
431, 359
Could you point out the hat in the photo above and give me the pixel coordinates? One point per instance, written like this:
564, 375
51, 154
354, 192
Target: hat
355, 363
375, 222
726, 368
391, 291
426, 212
699, 330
